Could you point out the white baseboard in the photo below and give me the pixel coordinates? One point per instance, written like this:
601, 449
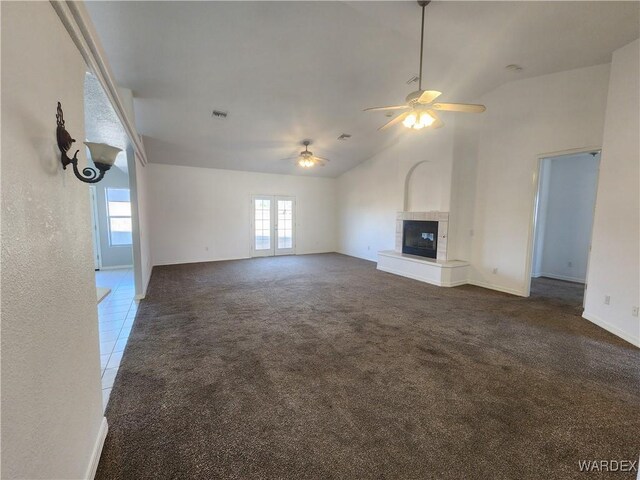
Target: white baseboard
97, 450
141, 296
498, 288
116, 267
226, 259
635, 341
566, 278
168, 263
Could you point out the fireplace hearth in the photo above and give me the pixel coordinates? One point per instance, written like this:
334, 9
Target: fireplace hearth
425, 234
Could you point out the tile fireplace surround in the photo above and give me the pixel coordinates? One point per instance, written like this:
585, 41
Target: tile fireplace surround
439, 271
443, 226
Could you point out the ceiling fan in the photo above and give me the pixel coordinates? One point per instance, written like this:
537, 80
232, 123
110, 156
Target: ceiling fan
420, 107
306, 158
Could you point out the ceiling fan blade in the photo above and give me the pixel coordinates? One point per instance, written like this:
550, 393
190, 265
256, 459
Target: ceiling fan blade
437, 123
459, 107
428, 96
394, 121
394, 107
322, 159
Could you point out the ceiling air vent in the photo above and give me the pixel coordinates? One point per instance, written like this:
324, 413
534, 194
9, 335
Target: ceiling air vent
344, 136
219, 114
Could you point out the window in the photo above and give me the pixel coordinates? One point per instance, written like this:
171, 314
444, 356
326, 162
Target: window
285, 224
119, 215
262, 208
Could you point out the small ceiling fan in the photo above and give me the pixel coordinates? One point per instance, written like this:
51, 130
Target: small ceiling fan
419, 104
306, 158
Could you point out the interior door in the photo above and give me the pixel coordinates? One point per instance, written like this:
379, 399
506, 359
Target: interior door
272, 225
285, 225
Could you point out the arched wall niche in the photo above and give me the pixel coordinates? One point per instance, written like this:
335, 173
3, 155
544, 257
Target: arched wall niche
426, 187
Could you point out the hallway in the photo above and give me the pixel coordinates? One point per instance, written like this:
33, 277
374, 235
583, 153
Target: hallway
116, 314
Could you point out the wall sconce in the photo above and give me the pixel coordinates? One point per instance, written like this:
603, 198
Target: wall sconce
103, 155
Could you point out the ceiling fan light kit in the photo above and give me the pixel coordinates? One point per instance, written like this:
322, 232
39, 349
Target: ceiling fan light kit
307, 159
419, 107
418, 120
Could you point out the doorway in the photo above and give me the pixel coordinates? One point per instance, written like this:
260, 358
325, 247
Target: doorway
114, 213
565, 202
272, 225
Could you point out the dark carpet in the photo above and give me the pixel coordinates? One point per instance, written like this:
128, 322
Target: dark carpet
558, 293
321, 367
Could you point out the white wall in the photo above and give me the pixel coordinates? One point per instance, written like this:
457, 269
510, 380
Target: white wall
138, 184
565, 216
203, 214
614, 267
541, 217
495, 166
494, 179
141, 224
371, 194
51, 392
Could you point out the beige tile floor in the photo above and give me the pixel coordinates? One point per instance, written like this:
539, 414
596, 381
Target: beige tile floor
115, 316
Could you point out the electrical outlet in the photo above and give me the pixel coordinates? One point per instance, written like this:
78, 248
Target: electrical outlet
634, 311
570, 264
607, 300
206, 249
494, 271
368, 247
471, 233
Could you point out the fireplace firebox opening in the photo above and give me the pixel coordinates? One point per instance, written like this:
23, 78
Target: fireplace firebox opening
420, 238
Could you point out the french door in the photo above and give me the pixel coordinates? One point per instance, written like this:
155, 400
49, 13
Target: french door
272, 225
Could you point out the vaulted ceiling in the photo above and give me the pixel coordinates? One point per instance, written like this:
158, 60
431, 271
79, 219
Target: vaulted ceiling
286, 71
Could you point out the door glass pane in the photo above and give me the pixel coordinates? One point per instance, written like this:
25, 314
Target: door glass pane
262, 224
285, 224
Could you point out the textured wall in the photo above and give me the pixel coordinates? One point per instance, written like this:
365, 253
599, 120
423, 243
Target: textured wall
51, 398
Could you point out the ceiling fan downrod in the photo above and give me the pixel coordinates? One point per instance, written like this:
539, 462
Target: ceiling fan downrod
422, 3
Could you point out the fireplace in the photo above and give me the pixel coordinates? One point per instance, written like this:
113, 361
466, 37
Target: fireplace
420, 237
